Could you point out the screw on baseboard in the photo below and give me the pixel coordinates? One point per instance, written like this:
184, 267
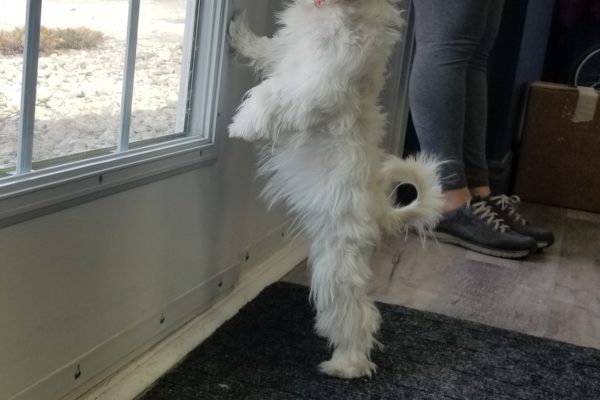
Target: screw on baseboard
100, 179
77, 372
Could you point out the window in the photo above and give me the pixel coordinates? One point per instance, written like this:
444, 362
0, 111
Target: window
97, 94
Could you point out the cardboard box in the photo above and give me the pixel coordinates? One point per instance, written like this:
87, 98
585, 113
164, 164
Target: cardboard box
559, 159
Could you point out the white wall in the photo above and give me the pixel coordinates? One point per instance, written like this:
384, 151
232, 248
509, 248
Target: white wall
95, 278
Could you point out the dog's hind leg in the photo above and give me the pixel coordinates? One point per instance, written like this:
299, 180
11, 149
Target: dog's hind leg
346, 316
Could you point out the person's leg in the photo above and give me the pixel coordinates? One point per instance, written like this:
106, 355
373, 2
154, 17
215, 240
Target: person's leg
474, 139
447, 34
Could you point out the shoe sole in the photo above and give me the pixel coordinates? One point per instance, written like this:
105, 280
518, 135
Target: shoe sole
512, 254
544, 245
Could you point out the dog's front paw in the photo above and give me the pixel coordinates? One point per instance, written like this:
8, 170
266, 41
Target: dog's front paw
252, 121
347, 369
237, 130
236, 30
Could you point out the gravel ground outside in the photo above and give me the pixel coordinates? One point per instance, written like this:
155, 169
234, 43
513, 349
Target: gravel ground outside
79, 91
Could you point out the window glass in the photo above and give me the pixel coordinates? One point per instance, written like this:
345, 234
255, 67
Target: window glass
159, 70
80, 78
12, 13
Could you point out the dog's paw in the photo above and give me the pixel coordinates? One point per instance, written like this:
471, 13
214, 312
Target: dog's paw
341, 368
239, 131
236, 30
235, 131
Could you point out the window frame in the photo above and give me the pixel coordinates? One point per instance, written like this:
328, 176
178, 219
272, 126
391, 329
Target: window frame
29, 194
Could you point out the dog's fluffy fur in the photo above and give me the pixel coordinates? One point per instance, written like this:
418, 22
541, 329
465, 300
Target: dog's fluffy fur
317, 115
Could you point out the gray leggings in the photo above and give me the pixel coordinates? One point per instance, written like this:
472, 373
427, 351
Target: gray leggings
448, 85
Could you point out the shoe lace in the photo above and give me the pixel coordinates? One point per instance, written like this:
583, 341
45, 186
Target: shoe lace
507, 204
484, 212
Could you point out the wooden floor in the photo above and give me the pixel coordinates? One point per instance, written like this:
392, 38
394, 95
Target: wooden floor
554, 294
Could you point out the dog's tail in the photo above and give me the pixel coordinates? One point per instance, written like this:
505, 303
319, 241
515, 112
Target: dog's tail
418, 177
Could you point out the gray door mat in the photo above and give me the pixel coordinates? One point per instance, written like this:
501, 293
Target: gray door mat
269, 351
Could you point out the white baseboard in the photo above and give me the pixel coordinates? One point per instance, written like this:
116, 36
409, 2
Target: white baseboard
88, 369
138, 375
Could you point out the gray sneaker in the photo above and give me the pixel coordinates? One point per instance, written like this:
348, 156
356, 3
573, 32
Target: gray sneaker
477, 227
504, 206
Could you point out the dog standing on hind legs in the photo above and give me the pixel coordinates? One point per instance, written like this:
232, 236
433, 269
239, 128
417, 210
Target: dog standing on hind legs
317, 115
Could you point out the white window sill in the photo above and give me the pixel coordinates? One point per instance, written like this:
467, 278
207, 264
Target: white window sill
55, 188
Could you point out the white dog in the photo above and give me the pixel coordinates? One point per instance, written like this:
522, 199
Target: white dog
317, 114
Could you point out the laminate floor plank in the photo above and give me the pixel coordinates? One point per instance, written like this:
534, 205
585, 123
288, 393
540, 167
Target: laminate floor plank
554, 294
